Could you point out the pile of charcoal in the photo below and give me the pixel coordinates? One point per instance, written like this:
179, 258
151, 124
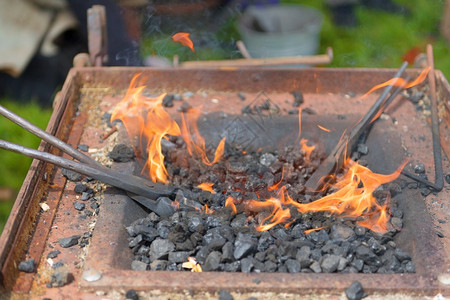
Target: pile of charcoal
220, 240
240, 174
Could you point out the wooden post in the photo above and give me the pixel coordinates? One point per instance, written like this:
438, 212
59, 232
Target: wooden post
445, 24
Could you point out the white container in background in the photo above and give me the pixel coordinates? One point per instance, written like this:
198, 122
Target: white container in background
281, 30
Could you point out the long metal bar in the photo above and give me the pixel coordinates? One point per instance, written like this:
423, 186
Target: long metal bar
439, 180
126, 182
388, 101
52, 140
438, 169
337, 157
373, 111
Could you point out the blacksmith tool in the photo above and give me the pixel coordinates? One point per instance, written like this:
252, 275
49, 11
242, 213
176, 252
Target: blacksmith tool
438, 185
338, 156
86, 165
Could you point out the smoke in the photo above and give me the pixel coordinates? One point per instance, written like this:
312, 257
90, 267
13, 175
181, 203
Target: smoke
128, 57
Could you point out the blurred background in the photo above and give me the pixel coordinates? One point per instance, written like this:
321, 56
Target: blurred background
41, 37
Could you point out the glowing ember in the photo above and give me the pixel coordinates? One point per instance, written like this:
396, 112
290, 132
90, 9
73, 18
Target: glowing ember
313, 229
352, 195
307, 149
175, 205
353, 198
183, 39
207, 210
230, 203
276, 185
207, 186
324, 128
278, 214
303, 142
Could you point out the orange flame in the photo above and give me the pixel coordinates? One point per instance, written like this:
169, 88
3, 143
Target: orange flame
175, 204
276, 185
146, 119
313, 229
399, 82
304, 147
194, 141
230, 203
207, 186
277, 216
278, 213
324, 128
376, 220
307, 149
183, 39
352, 198
207, 210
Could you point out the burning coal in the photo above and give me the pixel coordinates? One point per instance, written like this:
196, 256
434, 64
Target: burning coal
146, 120
249, 210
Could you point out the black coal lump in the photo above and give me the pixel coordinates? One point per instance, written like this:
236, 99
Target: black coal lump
121, 153
131, 294
69, 241
168, 100
355, 291
84, 148
224, 295
212, 262
80, 188
27, 266
298, 98
447, 178
71, 175
184, 107
53, 254
79, 205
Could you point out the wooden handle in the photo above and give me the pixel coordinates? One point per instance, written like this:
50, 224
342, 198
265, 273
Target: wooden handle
256, 62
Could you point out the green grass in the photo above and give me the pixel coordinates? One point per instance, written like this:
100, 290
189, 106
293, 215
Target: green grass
381, 38
14, 167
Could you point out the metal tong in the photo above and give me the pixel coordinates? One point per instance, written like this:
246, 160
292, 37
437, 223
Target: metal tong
438, 185
343, 149
86, 165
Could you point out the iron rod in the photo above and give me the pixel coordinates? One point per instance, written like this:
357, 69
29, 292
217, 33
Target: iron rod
52, 140
126, 182
374, 110
438, 169
336, 159
439, 178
